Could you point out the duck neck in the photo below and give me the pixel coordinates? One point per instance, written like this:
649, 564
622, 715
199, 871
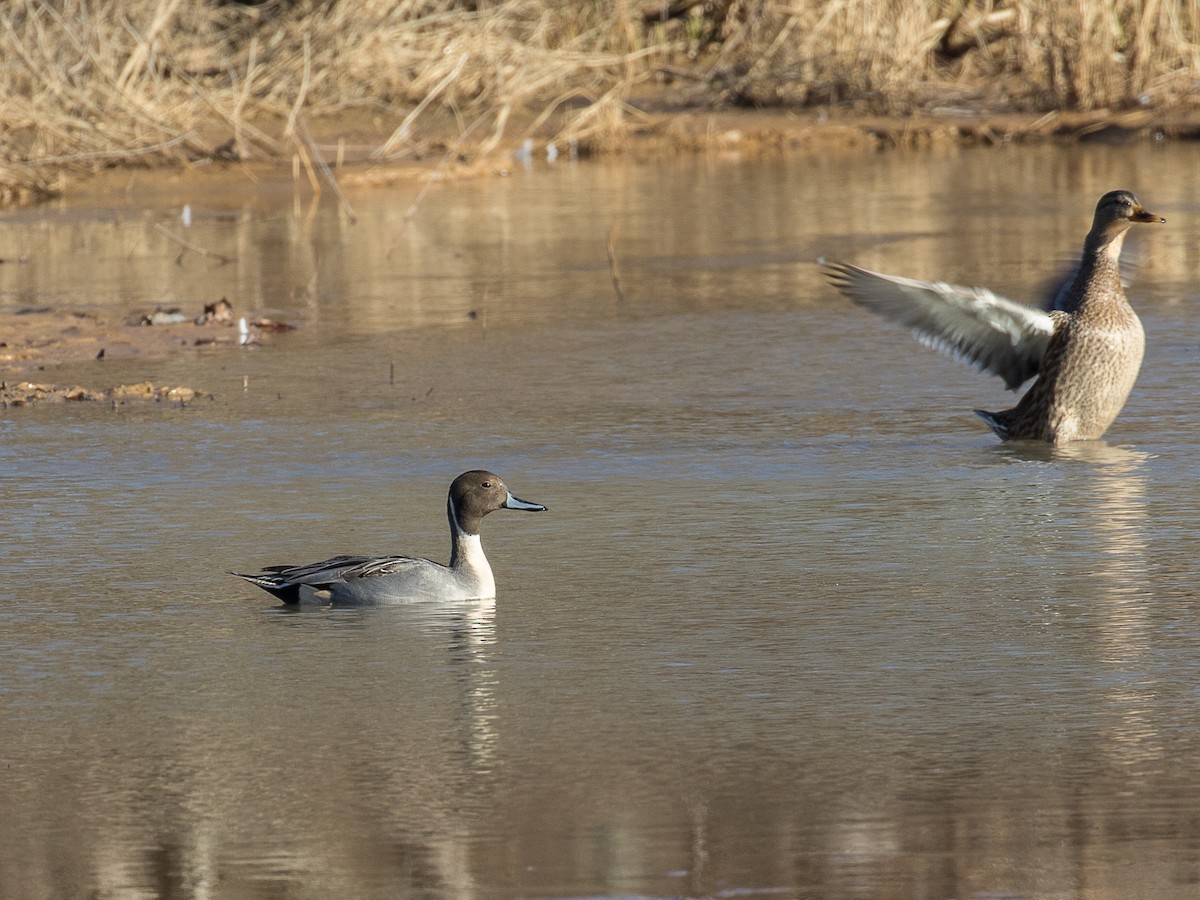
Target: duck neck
466, 549
1100, 264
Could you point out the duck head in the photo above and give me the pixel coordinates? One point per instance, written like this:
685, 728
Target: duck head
1115, 212
476, 493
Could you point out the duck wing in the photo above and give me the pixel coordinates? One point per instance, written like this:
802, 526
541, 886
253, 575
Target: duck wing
285, 582
315, 573
991, 332
375, 566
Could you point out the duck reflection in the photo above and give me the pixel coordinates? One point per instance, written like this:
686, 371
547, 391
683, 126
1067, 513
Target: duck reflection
1119, 523
366, 790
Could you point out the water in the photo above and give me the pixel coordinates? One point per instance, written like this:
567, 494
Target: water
794, 625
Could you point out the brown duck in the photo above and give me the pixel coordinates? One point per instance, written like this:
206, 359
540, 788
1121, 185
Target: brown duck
1086, 353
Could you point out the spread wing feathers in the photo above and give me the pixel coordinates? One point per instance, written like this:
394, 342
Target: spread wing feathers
992, 333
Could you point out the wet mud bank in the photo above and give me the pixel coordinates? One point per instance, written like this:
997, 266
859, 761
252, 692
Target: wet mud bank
35, 339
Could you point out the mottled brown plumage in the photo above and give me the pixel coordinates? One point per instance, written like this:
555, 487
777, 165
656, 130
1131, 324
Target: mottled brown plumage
1086, 355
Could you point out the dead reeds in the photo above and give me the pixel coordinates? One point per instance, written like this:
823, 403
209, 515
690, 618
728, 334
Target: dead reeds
93, 83
88, 83
895, 56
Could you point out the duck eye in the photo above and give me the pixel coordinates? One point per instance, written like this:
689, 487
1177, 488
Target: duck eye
487, 484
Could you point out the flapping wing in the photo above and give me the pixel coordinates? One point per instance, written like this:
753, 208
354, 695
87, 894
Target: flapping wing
992, 333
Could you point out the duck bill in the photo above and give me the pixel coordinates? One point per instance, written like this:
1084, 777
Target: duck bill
512, 502
1141, 215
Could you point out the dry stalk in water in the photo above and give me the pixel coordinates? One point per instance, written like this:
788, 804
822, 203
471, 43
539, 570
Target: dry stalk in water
614, 269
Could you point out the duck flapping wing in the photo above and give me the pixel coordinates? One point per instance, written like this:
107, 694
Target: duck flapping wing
991, 332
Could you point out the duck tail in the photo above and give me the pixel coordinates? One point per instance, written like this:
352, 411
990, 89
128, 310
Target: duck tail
997, 421
274, 585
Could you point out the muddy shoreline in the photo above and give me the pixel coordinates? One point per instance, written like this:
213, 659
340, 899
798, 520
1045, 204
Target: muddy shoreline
36, 340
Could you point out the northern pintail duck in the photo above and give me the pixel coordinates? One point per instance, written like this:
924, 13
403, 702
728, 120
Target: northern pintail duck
1086, 353
389, 580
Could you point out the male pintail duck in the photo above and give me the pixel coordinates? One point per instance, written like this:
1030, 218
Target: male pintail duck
1085, 353
388, 580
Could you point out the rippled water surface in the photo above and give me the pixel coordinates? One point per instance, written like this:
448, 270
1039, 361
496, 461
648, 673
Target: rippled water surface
794, 623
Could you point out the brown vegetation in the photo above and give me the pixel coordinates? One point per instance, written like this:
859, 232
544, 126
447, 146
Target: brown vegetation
92, 83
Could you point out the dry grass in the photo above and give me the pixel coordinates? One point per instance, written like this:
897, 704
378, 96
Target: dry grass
89, 83
895, 56
86, 83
